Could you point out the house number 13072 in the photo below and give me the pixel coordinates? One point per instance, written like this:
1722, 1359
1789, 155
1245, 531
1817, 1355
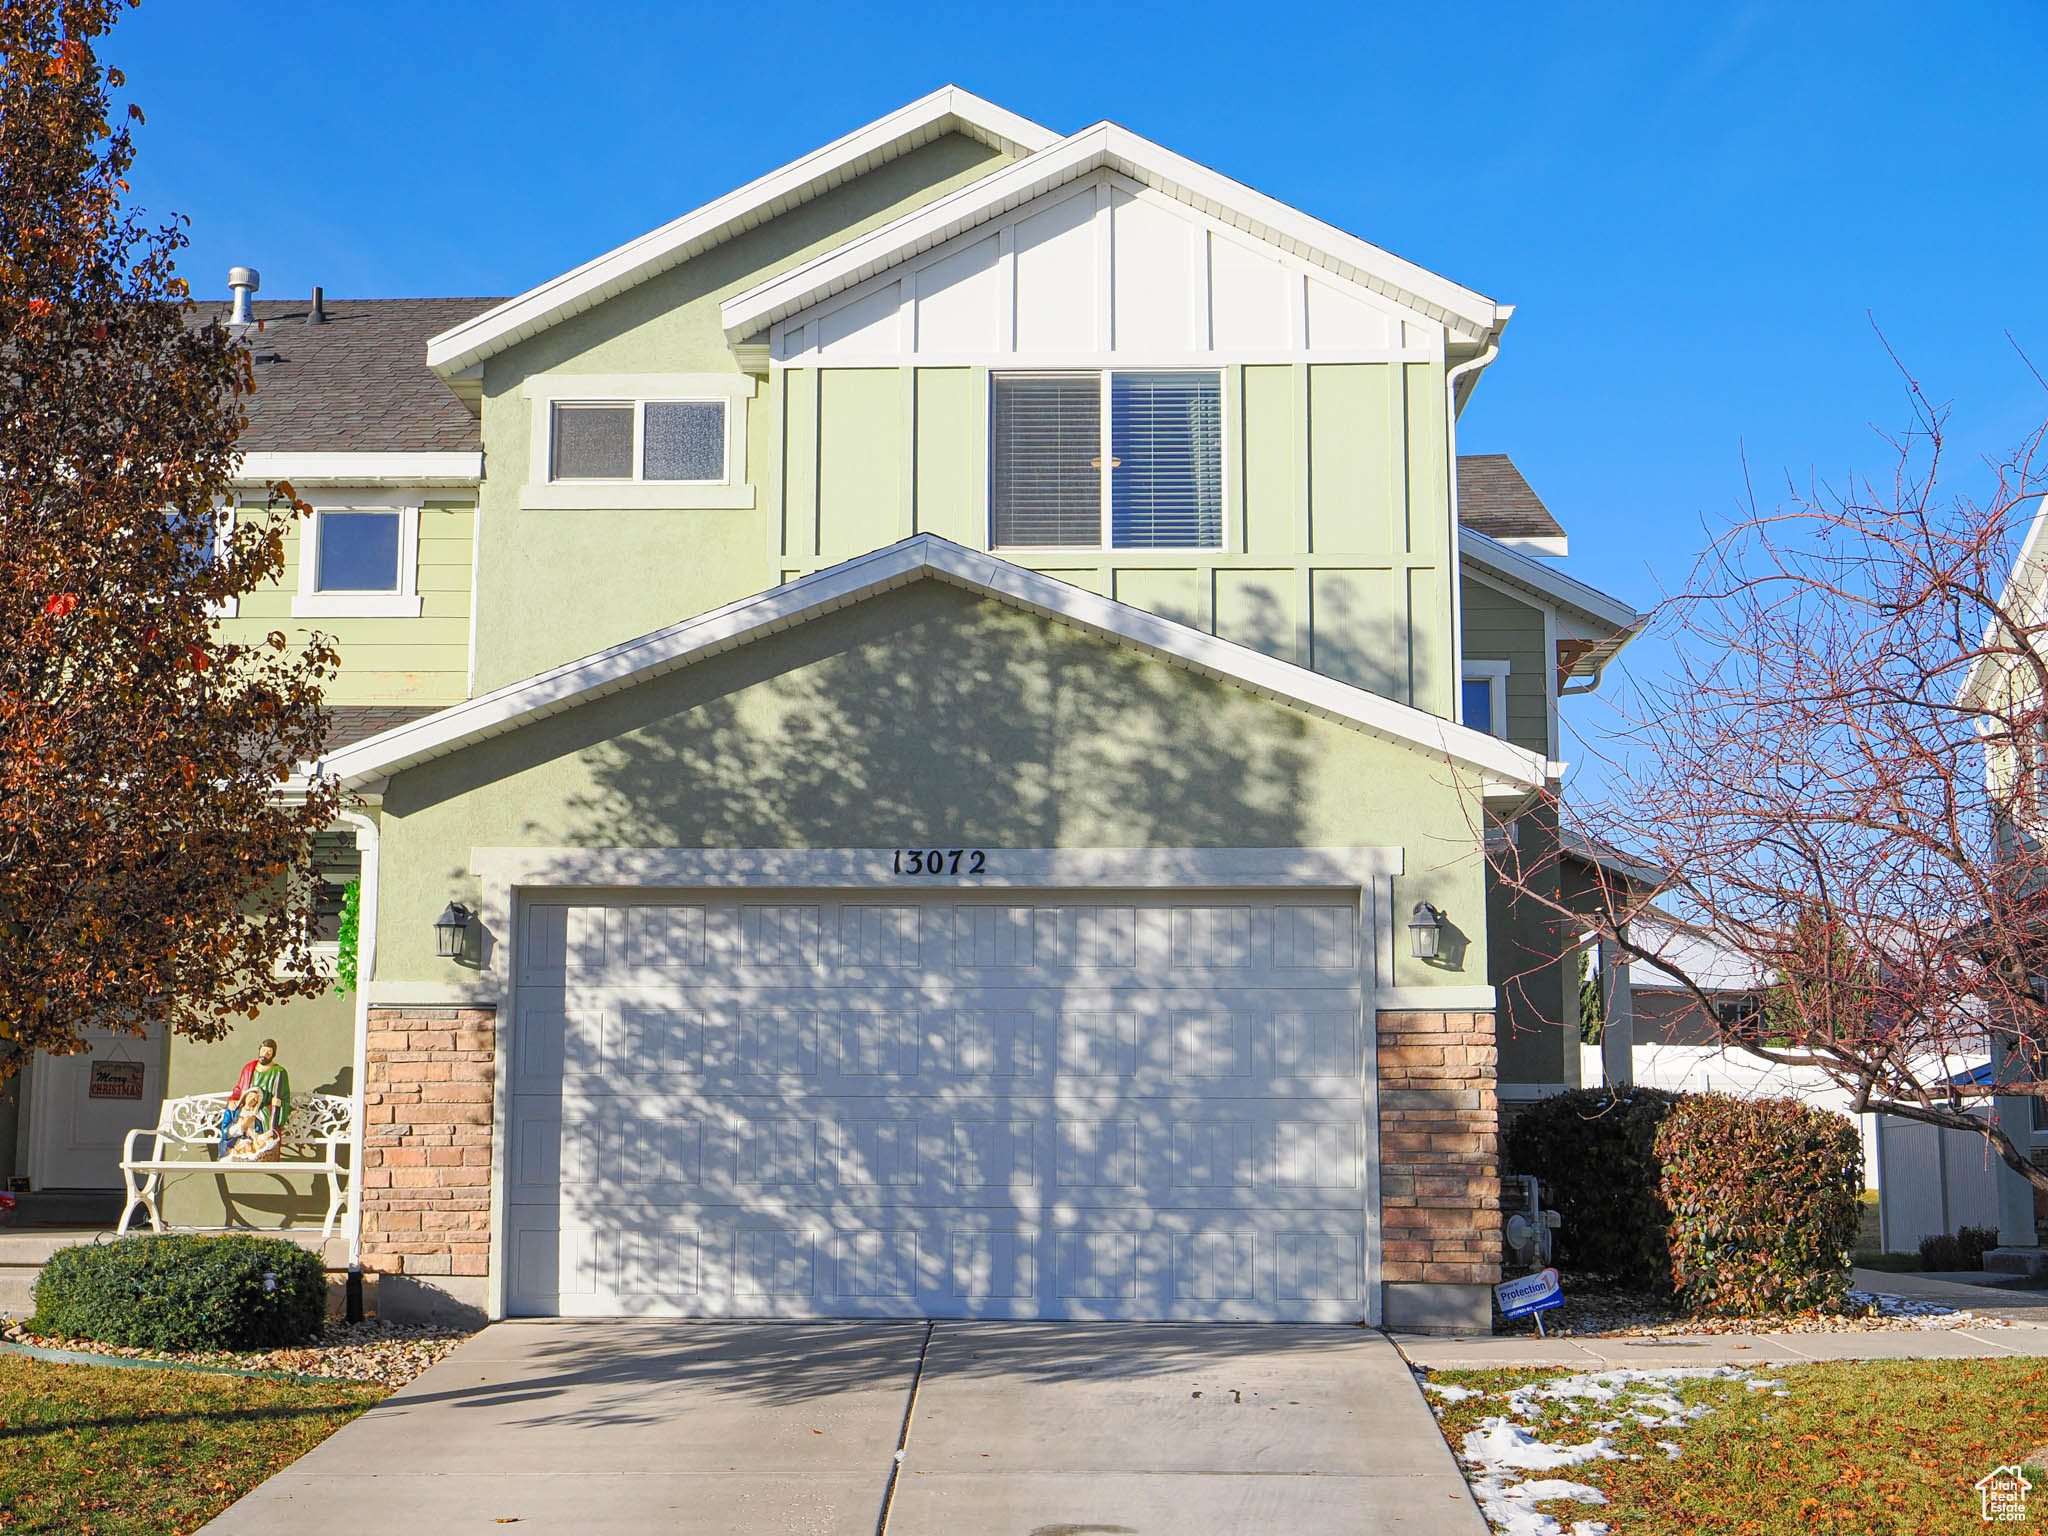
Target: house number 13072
940, 861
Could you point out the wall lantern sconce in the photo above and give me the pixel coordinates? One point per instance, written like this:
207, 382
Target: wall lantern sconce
1425, 931
451, 931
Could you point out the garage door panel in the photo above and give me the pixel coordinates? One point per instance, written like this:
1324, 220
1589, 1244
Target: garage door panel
759, 1104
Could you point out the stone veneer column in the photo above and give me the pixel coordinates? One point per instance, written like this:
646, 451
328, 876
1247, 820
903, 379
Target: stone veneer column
1439, 1171
427, 1157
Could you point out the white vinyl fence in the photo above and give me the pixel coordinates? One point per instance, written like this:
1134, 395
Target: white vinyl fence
1931, 1181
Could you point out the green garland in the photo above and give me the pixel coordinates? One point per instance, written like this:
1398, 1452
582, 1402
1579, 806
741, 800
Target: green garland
351, 924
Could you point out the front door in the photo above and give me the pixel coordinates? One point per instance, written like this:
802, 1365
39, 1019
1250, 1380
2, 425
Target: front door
83, 1106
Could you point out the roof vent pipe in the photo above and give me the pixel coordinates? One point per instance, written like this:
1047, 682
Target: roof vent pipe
242, 282
318, 314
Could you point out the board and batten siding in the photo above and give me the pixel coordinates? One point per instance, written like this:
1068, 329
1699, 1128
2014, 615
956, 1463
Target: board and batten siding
1498, 627
1336, 551
423, 660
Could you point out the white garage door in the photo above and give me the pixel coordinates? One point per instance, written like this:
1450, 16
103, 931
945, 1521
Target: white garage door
1072, 1105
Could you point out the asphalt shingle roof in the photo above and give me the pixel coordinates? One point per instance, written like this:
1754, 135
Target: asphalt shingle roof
359, 383
1495, 500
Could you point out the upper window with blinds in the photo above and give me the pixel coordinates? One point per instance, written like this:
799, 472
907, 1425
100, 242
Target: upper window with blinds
1127, 460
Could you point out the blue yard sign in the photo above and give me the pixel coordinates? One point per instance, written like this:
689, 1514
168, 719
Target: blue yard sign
1531, 1293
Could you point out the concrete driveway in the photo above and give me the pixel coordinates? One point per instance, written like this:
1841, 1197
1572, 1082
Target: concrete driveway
1011, 1429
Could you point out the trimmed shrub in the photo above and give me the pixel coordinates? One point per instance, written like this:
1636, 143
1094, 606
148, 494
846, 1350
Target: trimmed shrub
1595, 1151
183, 1292
1763, 1201
1963, 1248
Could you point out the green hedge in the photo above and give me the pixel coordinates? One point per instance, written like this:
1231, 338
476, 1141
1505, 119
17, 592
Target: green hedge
1595, 1151
183, 1292
1763, 1201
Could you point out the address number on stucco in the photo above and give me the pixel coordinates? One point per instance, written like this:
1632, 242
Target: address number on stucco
940, 861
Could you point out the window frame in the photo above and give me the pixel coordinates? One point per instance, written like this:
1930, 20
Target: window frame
1495, 674
1106, 429
543, 392
402, 603
638, 406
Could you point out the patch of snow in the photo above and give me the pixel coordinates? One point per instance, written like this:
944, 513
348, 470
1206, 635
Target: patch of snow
1450, 1393
1554, 1488
1501, 1446
1497, 1443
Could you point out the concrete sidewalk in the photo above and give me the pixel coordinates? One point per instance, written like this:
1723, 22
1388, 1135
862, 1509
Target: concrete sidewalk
1005, 1429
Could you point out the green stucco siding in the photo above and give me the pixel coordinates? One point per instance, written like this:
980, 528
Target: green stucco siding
1498, 627
925, 716
558, 584
422, 660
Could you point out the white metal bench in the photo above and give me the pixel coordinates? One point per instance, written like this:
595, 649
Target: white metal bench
318, 1131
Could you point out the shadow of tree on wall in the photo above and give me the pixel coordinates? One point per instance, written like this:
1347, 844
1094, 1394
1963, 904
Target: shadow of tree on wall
936, 717
933, 717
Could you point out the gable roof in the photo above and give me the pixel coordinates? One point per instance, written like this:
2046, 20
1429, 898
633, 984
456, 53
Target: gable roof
926, 557
358, 383
1470, 316
946, 110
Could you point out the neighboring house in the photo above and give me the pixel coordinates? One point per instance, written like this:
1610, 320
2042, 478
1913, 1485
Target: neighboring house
951, 699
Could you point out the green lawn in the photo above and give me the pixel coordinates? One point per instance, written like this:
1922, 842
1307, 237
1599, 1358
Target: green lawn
1877, 1448
90, 1450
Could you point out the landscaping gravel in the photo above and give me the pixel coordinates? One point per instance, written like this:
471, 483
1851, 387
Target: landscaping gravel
1596, 1312
377, 1353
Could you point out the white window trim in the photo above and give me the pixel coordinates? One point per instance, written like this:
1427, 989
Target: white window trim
1496, 673
1105, 427
639, 390
312, 603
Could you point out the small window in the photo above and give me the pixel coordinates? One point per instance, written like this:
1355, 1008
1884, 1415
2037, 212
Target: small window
1148, 447
358, 552
1479, 703
593, 442
685, 440
1047, 480
1166, 461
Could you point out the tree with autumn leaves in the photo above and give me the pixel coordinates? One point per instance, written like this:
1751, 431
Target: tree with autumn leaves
155, 847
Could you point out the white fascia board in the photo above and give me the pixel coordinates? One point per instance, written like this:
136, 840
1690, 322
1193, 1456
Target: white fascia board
2022, 590
1470, 314
947, 109
1544, 580
926, 557
304, 469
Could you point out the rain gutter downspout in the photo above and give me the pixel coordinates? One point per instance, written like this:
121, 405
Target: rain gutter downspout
366, 962
1456, 574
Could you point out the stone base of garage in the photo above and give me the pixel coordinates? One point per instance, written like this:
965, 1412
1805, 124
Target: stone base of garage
427, 1161
1439, 1172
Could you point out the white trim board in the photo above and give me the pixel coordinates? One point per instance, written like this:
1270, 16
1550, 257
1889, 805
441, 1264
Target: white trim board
1470, 316
304, 469
1544, 581
946, 110
926, 557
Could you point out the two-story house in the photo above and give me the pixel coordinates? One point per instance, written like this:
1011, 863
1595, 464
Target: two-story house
923, 739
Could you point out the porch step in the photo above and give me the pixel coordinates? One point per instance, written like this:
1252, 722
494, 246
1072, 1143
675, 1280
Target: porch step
68, 1208
23, 1252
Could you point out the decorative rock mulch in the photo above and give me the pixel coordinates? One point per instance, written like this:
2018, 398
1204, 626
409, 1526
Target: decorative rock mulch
1592, 1311
380, 1354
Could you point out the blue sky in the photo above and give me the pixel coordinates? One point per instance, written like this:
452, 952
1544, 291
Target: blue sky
1697, 210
